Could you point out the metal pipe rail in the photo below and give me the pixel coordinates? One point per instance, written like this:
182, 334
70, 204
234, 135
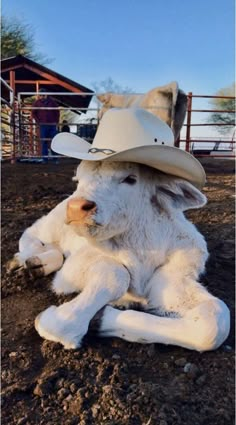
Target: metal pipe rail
189, 124
25, 141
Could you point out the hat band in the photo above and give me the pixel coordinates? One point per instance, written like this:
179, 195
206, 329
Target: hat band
106, 151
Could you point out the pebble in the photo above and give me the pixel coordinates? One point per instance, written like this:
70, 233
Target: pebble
95, 409
116, 357
13, 354
133, 387
22, 421
68, 398
227, 348
181, 361
201, 380
62, 393
107, 389
151, 350
191, 370
163, 422
42, 388
73, 388
60, 383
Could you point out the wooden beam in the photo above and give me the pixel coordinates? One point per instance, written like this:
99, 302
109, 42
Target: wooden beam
54, 80
30, 82
12, 80
11, 68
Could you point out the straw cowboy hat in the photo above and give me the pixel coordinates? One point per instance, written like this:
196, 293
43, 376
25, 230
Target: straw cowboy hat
133, 135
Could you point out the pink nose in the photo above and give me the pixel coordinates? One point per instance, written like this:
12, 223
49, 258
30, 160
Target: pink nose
78, 209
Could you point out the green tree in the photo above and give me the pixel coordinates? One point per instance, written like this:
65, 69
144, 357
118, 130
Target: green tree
227, 118
17, 38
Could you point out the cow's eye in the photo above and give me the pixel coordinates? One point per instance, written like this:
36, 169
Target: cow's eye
130, 180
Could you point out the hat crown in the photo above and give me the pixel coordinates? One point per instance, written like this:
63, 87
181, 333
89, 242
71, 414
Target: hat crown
128, 128
133, 135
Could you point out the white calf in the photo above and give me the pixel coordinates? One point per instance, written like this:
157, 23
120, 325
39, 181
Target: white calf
125, 237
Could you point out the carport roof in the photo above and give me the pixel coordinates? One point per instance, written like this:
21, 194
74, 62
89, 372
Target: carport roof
25, 75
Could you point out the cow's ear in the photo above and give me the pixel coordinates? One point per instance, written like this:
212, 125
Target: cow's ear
182, 194
104, 98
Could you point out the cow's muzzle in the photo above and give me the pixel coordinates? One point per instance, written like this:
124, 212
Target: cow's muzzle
79, 210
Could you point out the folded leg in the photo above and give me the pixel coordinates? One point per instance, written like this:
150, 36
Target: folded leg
186, 314
106, 281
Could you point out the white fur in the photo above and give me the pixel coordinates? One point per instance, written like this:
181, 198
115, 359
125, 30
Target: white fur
167, 102
137, 245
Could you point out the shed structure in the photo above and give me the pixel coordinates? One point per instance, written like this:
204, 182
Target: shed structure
19, 76
25, 75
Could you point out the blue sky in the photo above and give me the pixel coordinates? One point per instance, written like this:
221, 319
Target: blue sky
139, 44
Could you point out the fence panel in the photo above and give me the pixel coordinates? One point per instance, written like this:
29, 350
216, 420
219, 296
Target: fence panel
21, 136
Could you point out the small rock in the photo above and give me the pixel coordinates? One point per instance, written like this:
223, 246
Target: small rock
107, 389
68, 398
21, 421
73, 388
163, 422
151, 350
13, 354
62, 393
181, 361
191, 370
116, 357
60, 383
43, 388
133, 387
227, 348
201, 380
95, 409
81, 391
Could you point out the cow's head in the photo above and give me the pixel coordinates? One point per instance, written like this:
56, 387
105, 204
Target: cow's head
113, 198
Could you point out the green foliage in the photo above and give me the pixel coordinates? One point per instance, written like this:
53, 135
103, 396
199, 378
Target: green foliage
227, 118
17, 38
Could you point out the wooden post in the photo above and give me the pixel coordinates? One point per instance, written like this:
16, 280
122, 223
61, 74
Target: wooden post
12, 85
188, 128
12, 80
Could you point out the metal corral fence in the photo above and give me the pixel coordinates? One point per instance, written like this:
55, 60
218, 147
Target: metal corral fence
7, 123
219, 147
20, 136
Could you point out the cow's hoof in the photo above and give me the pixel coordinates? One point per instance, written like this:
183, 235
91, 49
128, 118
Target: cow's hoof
13, 264
34, 267
53, 325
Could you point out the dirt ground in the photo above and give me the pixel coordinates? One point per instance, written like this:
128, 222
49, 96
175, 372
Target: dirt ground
109, 381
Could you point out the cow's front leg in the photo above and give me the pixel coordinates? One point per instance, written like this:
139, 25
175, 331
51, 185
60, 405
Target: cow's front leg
106, 281
39, 246
38, 258
38, 262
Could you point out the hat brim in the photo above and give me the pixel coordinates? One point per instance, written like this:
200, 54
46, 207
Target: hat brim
168, 159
